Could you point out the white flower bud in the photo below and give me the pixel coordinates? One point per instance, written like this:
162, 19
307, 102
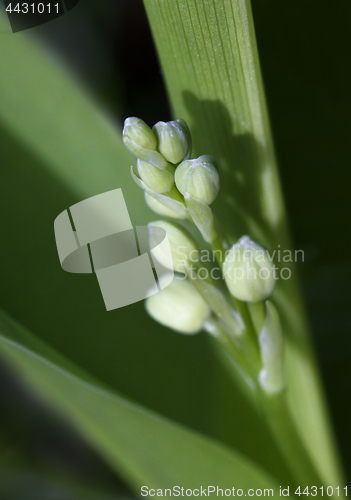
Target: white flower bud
183, 247
172, 199
174, 140
136, 132
160, 181
271, 341
248, 271
141, 142
198, 177
179, 306
161, 209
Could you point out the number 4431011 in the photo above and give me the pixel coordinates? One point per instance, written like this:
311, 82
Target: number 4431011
40, 8
314, 491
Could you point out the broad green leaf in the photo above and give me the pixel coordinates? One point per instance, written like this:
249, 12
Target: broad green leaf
143, 447
58, 148
209, 58
59, 124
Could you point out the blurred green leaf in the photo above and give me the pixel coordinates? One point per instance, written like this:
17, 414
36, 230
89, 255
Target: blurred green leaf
58, 148
16, 484
144, 447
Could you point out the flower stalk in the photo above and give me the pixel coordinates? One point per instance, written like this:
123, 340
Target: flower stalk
242, 320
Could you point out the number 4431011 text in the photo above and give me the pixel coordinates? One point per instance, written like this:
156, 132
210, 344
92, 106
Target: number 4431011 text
39, 8
321, 491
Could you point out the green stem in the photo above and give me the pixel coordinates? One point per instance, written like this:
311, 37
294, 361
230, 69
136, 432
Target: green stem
257, 312
279, 419
242, 371
249, 328
275, 407
233, 337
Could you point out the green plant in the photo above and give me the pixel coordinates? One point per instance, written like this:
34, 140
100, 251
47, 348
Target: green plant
208, 55
246, 326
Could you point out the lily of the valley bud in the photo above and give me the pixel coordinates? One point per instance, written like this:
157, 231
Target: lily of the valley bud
137, 134
271, 377
161, 209
174, 140
179, 306
248, 271
199, 178
183, 248
160, 181
141, 142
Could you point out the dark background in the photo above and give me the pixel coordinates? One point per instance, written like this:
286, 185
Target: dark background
305, 55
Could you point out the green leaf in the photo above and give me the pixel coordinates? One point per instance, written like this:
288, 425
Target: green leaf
58, 148
16, 484
144, 447
58, 123
209, 58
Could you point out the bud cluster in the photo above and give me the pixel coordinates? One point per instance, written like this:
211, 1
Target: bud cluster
179, 186
165, 168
